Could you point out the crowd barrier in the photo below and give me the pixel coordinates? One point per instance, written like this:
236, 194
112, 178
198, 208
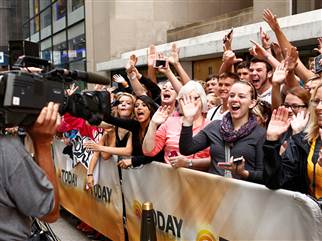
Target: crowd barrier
189, 205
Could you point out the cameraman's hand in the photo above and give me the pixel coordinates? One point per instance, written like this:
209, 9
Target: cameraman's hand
46, 125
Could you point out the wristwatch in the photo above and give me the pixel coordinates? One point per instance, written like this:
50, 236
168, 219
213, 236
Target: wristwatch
190, 163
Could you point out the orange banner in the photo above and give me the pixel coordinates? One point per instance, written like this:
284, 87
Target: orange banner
100, 208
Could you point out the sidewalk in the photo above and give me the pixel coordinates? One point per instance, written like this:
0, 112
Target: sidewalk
65, 228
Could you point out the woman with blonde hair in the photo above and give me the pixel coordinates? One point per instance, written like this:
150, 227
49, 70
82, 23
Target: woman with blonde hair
164, 131
115, 140
300, 167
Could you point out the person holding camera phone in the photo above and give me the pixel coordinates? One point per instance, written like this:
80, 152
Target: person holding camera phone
237, 135
29, 188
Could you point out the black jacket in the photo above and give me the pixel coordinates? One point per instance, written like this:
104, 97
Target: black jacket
288, 171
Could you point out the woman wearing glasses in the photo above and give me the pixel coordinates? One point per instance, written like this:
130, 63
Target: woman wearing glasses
300, 167
297, 102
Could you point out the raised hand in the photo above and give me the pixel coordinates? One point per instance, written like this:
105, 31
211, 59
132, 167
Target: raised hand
276, 49
161, 115
230, 58
291, 59
279, 74
118, 78
131, 63
189, 107
72, 89
258, 51
92, 146
299, 121
278, 125
152, 54
174, 54
264, 38
271, 20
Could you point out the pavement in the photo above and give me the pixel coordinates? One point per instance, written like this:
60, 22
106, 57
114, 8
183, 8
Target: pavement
65, 228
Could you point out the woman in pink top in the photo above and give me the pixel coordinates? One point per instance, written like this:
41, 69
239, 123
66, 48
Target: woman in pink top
167, 135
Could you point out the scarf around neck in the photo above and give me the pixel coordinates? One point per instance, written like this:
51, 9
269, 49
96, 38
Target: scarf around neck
227, 129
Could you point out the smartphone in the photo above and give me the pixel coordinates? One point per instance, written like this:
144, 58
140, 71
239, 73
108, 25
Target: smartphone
238, 160
173, 154
230, 32
160, 63
228, 35
224, 164
317, 65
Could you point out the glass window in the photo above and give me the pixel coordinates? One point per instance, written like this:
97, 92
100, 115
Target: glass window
60, 54
59, 9
45, 18
44, 4
31, 8
79, 65
34, 25
76, 42
45, 49
77, 4
25, 31
45, 22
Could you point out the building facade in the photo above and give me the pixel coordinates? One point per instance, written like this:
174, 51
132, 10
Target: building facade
58, 26
11, 18
98, 35
196, 26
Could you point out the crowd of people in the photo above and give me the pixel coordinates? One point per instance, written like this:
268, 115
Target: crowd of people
258, 120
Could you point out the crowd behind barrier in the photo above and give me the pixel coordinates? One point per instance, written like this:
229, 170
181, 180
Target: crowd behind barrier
211, 144
188, 204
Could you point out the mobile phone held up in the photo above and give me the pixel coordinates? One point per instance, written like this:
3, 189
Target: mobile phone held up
228, 35
173, 154
160, 63
317, 65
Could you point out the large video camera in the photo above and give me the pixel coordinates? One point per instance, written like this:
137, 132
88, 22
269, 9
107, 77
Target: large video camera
24, 94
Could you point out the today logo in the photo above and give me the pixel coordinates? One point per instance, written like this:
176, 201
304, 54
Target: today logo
205, 235
137, 208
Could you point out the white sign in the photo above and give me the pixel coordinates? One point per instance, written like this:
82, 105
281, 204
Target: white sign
1, 57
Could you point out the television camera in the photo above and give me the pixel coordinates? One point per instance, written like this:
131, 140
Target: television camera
24, 93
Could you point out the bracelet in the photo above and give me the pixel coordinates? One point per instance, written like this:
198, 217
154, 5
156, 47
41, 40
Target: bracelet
90, 174
267, 47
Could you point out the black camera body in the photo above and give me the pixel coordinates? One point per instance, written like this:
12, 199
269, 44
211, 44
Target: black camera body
24, 94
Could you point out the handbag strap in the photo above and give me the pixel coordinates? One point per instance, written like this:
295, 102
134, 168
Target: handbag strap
227, 159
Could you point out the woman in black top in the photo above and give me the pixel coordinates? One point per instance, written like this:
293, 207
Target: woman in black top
115, 141
144, 109
237, 133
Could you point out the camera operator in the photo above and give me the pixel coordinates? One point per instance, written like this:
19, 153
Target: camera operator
28, 188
